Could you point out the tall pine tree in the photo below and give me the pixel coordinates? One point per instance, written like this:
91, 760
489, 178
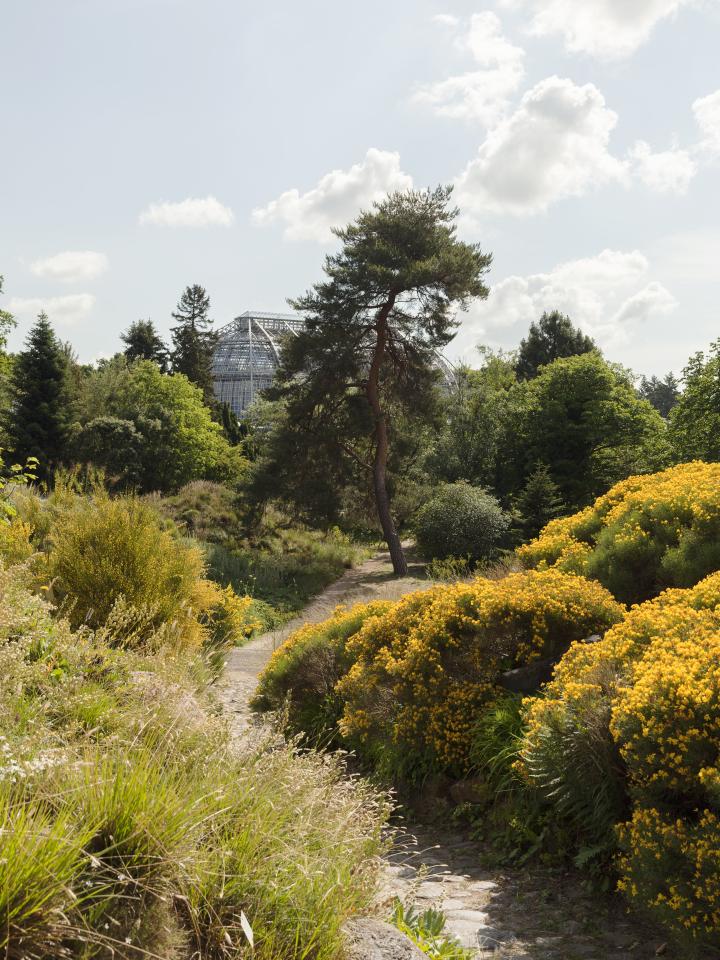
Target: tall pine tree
142, 342
366, 358
40, 415
193, 340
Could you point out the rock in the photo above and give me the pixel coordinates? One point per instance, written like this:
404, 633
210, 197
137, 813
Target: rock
370, 939
528, 679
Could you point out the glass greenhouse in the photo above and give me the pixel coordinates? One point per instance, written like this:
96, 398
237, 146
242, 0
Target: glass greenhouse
248, 353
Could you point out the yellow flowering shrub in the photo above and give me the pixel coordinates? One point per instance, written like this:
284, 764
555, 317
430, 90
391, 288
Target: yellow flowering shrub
647, 533
648, 697
672, 867
302, 673
424, 669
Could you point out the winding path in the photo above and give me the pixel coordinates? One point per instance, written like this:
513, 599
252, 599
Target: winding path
527, 913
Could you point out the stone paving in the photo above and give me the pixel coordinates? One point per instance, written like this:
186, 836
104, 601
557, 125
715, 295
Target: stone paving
511, 914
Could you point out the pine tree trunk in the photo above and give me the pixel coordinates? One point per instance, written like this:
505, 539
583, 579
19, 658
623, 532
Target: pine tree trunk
382, 499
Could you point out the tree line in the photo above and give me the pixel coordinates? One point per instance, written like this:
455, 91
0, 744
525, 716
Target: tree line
361, 421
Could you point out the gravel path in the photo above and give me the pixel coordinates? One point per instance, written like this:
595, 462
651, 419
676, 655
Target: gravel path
504, 914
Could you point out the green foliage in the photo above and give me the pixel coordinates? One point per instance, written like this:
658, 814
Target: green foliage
142, 342
552, 338
448, 569
695, 420
301, 676
206, 510
285, 566
472, 441
427, 931
461, 521
130, 824
178, 440
368, 348
111, 550
537, 504
111, 443
39, 418
193, 341
584, 419
662, 394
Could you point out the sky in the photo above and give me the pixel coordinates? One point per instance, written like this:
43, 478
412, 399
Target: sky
150, 144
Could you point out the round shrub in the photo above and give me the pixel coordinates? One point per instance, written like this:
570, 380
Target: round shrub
461, 521
424, 669
110, 556
646, 534
302, 673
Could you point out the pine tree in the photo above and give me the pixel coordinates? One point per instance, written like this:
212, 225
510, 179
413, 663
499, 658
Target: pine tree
40, 414
142, 342
193, 340
366, 358
552, 338
538, 503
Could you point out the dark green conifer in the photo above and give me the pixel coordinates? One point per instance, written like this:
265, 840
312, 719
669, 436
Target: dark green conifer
193, 340
39, 419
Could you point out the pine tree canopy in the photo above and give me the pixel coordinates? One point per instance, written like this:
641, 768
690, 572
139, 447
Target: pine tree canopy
193, 341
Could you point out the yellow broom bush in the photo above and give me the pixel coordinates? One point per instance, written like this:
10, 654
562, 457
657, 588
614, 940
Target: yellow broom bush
424, 669
649, 691
647, 533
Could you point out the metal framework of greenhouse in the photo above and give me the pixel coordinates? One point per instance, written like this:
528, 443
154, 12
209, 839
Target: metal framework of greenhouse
247, 355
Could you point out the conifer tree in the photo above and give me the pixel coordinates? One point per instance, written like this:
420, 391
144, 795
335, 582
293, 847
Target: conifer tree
538, 503
40, 415
552, 338
193, 340
368, 353
142, 342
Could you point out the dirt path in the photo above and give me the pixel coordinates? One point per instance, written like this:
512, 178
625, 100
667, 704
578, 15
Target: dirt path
372, 580
504, 914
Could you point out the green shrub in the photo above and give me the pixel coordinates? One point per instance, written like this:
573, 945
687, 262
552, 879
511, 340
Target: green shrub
302, 673
113, 550
461, 521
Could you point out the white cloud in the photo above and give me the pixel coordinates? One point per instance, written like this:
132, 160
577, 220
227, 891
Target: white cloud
337, 197
667, 172
71, 266
554, 145
604, 295
707, 115
653, 300
64, 311
193, 212
446, 19
482, 94
608, 29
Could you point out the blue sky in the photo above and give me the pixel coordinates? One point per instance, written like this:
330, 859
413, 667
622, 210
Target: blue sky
149, 144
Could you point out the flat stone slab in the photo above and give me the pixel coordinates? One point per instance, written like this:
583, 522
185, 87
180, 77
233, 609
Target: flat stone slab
369, 939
